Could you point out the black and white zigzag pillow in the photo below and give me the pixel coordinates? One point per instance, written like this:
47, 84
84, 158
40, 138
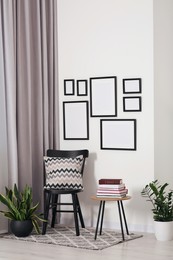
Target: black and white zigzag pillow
63, 173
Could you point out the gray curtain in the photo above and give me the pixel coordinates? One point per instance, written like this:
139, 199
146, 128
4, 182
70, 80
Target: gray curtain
29, 45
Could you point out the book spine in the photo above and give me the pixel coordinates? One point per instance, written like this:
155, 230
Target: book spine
110, 181
112, 186
111, 189
112, 192
111, 196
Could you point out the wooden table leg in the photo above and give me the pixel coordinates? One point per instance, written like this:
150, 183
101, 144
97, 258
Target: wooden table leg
103, 210
124, 216
121, 223
98, 219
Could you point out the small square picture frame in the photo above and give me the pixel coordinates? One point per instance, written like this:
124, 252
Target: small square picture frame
69, 87
132, 85
82, 87
132, 104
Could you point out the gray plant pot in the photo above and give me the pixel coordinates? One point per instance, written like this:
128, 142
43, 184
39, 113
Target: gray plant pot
21, 228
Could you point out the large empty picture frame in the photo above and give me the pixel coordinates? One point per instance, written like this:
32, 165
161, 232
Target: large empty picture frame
76, 120
132, 104
118, 134
103, 96
132, 85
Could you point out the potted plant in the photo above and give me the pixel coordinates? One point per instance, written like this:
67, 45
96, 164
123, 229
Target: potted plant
21, 211
162, 202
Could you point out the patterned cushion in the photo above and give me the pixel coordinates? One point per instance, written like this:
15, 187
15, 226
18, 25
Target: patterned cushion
63, 173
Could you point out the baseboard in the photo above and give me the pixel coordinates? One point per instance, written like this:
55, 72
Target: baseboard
3, 231
110, 225
131, 227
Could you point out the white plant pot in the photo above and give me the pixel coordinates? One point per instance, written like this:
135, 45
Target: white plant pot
164, 230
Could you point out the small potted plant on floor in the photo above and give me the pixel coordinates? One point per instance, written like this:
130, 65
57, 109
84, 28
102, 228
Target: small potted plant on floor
21, 211
162, 202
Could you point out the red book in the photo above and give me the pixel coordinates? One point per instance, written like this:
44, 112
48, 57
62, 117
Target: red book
110, 181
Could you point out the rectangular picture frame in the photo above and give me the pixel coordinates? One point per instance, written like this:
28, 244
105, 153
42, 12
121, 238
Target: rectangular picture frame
75, 120
118, 134
103, 96
132, 104
132, 85
82, 87
69, 89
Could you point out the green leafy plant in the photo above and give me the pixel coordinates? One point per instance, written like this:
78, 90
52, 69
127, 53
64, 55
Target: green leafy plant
20, 206
161, 200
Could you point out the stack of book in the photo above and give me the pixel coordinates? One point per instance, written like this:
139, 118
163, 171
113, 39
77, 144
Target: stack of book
113, 188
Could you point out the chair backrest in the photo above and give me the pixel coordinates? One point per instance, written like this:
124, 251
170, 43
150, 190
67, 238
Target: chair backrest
68, 154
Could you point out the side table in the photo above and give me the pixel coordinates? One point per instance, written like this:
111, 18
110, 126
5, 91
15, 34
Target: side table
121, 211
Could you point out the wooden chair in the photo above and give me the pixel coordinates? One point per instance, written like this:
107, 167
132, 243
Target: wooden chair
63, 175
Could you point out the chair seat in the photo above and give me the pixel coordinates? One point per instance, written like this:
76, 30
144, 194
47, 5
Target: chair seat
65, 191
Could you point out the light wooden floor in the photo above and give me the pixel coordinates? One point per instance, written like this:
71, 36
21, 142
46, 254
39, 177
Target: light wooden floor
145, 248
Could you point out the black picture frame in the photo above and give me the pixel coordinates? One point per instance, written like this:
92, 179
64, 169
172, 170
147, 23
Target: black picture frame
75, 120
103, 96
118, 134
132, 85
69, 89
132, 104
82, 87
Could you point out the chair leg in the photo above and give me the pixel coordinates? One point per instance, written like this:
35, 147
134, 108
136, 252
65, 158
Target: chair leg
80, 212
54, 207
75, 214
47, 197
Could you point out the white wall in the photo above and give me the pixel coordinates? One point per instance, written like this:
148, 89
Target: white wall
163, 59
105, 38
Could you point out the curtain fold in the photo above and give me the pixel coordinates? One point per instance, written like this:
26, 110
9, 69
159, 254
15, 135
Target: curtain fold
8, 59
31, 87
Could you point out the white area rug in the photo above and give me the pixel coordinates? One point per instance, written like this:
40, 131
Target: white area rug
66, 236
